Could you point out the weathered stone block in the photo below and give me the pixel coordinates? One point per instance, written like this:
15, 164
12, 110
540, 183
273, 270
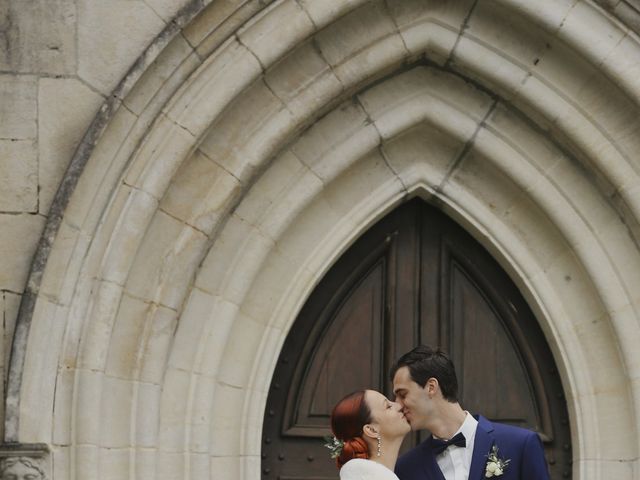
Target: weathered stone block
87, 416
65, 259
200, 418
282, 192
127, 337
19, 235
65, 110
329, 134
430, 28
40, 37
87, 463
224, 430
158, 344
223, 315
129, 224
243, 342
95, 342
423, 154
100, 173
200, 193
269, 37
489, 68
355, 32
106, 33
19, 178
38, 384
586, 25
219, 21
147, 414
192, 330
229, 269
324, 12
510, 35
430, 95
212, 18
10, 306
303, 80
170, 465
167, 9
146, 460
168, 255
18, 107
114, 463
220, 79
115, 413
367, 177
175, 397
61, 461
163, 77
63, 406
247, 131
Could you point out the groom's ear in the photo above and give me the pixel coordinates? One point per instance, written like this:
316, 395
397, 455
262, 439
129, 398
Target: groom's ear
431, 387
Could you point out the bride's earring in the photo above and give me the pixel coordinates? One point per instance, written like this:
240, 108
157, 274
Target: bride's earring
379, 445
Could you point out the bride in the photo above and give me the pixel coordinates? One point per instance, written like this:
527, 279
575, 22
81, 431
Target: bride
368, 431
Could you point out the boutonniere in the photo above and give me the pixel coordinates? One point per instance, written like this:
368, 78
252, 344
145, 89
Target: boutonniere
495, 465
334, 445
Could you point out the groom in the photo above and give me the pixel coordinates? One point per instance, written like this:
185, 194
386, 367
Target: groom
461, 447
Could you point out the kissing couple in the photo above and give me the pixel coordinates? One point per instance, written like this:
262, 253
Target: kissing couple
368, 430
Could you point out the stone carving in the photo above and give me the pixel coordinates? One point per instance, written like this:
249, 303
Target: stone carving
21, 468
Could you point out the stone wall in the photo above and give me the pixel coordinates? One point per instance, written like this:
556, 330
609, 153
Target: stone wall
59, 61
211, 160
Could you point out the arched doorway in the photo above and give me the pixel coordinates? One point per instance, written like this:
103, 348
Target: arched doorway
415, 277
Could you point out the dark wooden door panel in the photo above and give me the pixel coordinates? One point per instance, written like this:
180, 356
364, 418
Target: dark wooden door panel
325, 377
494, 380
415, 277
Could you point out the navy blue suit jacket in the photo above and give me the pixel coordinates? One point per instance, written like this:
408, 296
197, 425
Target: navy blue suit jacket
523, 447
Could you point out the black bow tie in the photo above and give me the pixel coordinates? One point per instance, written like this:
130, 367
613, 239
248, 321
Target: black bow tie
440, 446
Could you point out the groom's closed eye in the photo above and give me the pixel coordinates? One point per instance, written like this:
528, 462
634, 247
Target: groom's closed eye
400, 394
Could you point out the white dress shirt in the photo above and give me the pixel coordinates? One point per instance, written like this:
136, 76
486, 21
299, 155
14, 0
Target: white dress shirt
455, 461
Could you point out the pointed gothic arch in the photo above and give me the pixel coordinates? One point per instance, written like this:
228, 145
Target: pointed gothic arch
234, 172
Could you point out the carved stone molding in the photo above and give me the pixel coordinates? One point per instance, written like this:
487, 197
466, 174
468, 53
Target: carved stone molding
24, 461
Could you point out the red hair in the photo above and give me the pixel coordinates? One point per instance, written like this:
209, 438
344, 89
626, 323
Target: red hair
348, 418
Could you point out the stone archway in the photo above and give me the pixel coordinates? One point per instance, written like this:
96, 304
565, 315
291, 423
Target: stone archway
237, 170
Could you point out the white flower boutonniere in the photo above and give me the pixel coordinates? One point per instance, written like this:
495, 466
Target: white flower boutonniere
495, 465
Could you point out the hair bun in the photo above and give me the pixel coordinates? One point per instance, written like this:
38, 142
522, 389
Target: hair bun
353, 448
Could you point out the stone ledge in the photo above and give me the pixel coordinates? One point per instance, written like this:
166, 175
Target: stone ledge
37, 450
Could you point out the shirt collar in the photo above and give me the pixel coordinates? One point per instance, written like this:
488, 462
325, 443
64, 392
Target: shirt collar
468, 427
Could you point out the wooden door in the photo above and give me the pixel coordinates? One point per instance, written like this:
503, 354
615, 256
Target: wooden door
415, 277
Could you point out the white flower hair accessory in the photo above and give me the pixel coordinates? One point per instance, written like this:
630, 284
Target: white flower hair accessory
334, 445
495, 465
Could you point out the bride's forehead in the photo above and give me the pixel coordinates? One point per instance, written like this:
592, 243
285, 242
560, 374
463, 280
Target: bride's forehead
373, 396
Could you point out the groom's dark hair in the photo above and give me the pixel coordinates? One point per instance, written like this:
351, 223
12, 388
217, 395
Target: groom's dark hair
425, 362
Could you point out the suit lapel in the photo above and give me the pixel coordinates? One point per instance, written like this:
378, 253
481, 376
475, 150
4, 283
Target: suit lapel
481, 448
430, 464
